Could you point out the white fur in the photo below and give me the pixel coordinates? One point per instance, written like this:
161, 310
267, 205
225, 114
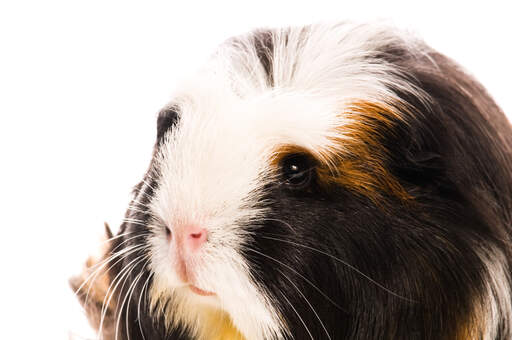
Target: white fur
498, 303
214, 163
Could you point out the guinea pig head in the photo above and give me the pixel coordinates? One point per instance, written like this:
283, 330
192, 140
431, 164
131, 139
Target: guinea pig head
218, 172
307, 183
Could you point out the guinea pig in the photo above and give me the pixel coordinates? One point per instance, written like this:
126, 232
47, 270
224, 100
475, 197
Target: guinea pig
333, 181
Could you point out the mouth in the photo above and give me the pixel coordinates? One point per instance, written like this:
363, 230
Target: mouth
199, 291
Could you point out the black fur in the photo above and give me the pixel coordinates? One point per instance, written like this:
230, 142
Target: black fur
167, 118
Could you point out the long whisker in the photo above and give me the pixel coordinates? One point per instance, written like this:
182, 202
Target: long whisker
127, 240
136, 209
134, 221
98, 271
149, 185
307, 301
123, 299
115, 237
302, 276
298, 315
128, 296
137, 279
101, 264
123, 274
141, 192
123, 278
138, 304
139, 203
344, 263
283, 222
124, 270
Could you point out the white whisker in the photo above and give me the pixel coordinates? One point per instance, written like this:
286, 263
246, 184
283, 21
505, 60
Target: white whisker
98, 266
134, 221
281, 221
141, 192
136, 209
139, 203
344, 263
115, 237
297, 313
127, 240
104, 308
149, 185
132, 249
119, 277
299, 274
138, 304
127, 297
307, 301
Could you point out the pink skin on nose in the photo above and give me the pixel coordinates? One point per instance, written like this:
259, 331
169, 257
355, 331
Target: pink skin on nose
185, 242
195, 236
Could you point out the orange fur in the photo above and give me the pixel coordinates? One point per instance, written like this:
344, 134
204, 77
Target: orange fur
359, 164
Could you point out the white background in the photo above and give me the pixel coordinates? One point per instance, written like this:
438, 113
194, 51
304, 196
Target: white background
80, 86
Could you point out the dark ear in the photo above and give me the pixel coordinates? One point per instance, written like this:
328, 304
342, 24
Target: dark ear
91, 288
166, 119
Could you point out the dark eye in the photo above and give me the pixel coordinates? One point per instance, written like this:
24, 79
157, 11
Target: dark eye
297, 170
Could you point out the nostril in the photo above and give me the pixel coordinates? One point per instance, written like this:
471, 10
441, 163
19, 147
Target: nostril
196, 235
168, 232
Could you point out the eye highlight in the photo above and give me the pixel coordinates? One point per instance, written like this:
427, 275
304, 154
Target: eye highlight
297, 170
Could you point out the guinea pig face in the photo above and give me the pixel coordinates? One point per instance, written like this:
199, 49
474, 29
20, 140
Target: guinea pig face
216, 170
328, 182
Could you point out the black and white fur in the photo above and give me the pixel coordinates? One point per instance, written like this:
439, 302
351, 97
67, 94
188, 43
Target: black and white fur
318, 260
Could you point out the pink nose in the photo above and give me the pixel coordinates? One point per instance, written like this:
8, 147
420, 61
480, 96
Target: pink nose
195, 237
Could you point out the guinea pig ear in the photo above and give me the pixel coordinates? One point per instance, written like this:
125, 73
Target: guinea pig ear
91, 288
166, 119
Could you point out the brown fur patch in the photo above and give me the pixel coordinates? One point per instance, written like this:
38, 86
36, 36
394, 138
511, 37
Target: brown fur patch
359, 161
469, 331
472, 327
